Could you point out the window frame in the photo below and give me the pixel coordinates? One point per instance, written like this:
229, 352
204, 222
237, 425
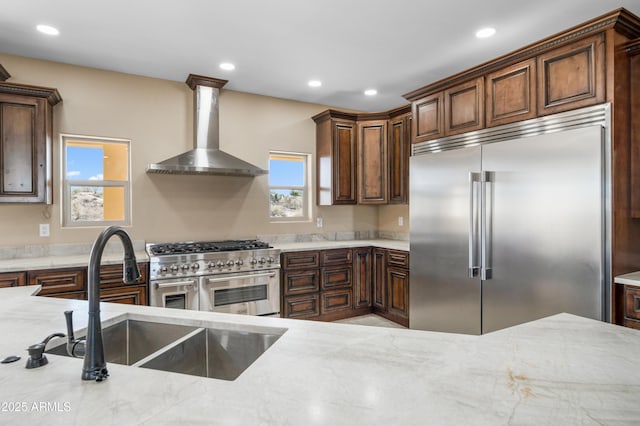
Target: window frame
67, 184
305, 188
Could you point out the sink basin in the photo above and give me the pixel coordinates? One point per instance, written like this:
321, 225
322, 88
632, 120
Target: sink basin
128, 341
210, 351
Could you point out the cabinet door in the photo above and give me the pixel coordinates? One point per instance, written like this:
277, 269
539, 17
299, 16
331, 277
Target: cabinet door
307, 306
372, 162
56, 281
464, 107
379, 279
428, 118
336, 276
398, 159
336, 301
362, 278
130, 295
571, 76
12, 279
344, 162
511, 94
336, 257
22, 149
300, 260
398, 294
301, 281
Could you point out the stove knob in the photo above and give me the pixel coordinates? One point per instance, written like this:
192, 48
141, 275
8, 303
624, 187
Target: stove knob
253, 261
219, 264
262, 260
163, 270
229, 263
185, 267
211, 265
271, 259
174, 268
239, 262
195, 266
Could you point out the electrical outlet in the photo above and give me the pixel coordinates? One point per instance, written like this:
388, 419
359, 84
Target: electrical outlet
319, 222
44, 229
400, 221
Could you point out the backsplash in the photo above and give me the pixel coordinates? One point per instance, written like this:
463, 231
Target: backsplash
67, 249
333, 236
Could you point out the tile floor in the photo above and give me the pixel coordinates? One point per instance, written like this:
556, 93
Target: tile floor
371, 319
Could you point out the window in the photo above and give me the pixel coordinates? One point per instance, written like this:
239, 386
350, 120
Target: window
288, 186
96, 189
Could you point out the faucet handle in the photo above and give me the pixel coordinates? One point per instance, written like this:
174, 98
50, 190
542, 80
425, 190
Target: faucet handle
69, 317
75, 348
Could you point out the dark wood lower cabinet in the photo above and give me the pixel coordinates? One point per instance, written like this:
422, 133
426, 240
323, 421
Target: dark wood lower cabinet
13, 279
304, 307
631, 306
71, 283
347, 283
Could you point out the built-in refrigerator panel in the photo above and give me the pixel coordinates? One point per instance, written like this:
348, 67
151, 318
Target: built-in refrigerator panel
544, 211
512, 223
442, 296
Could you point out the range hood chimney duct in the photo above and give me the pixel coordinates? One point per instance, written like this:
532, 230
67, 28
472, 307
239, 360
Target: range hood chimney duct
206, 157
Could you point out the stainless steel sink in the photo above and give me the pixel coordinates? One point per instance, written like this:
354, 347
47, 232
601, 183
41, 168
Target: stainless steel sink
128, 341
214, 352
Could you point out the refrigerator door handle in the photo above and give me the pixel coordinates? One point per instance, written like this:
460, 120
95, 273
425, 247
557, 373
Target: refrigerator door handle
474, 224
486, 234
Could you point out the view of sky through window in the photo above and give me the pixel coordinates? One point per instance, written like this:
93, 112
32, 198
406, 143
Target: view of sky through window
84, 163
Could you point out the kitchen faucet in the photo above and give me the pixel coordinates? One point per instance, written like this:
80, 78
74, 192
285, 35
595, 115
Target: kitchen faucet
95, 367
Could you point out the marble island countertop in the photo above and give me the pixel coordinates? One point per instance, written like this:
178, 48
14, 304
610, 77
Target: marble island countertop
559, 370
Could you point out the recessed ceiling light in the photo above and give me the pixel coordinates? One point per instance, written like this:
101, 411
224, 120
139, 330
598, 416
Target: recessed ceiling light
371, 92
314, 83
485, 32
227, 66
47, 29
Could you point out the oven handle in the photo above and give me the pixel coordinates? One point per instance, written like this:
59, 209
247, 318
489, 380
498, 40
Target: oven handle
175, 284
241, 277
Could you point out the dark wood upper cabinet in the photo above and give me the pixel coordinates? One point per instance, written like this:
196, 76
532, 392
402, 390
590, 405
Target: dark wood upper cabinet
464, 107
26, 131
428, 118
632, 51
571, 76
398, 158
335, 159
511, 94
372, 162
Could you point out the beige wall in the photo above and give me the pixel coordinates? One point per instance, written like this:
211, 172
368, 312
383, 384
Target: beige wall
156, 115
388, 218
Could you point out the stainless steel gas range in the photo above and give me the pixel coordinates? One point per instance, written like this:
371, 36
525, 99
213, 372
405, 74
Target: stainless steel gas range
232, 276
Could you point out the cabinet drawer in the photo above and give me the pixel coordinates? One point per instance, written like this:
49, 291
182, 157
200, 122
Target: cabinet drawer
632, 302
302, 306
79, 295
130, 295
12, 279
58, 280
398, 258
335, 301
299, 282
336, 257
300, 259
337, 276
111, 275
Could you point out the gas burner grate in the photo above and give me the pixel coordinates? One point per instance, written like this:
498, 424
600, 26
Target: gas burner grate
206, 247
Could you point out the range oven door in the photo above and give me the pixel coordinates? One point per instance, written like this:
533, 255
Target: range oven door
181, 293
249, 293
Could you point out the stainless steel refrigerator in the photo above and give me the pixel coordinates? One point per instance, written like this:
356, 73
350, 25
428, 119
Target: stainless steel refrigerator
511, 224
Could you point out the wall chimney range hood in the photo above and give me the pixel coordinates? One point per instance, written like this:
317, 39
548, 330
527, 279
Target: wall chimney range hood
206, 158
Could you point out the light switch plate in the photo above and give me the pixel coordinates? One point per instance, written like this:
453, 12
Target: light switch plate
319, 222
400, 221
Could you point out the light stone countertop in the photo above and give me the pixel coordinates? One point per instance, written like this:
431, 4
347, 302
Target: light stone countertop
632, 278
561, 370
324, 245
69, 257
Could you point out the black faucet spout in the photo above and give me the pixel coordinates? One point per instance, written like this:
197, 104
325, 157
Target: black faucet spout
95, 367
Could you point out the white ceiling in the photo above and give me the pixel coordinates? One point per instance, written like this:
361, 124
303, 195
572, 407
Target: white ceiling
394, 46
